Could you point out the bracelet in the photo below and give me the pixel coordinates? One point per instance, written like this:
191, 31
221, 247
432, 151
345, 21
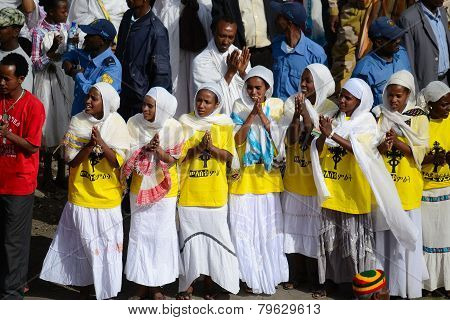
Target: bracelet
331, 134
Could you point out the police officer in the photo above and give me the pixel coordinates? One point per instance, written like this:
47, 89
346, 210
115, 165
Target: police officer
386, 58
95, 63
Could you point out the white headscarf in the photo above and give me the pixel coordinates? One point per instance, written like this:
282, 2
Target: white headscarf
111, 100
417, 142
361, 130
194, 122
113, 129
323, 83
324, 87
142, 131
432, 93
361, 120
260, 72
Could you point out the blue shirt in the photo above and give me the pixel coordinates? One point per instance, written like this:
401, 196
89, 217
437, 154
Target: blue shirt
289, 65
376, 71
441, 37
103, 68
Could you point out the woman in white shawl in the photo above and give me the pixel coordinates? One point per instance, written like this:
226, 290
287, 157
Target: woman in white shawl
156, 143
350, 171
87, 248
299, 199
403, 129
436, 194
205, 241
256, 218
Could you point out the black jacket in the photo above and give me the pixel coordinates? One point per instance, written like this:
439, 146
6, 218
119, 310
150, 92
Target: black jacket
143, 50
231, 9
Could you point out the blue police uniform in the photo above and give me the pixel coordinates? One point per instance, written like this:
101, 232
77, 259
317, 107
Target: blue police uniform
103, 68
376, 71
289, 64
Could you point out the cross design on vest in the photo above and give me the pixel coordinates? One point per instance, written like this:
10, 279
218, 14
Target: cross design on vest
338, 154
394, 155
435, 151
205, 157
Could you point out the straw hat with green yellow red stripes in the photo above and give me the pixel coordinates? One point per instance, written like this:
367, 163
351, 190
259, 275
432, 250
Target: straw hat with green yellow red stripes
368, 282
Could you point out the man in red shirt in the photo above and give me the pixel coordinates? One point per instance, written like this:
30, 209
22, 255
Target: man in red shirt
22, 116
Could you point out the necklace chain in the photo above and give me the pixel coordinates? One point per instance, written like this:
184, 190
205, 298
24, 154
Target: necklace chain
5, 112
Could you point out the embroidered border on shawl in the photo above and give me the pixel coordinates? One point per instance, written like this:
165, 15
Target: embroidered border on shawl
436, 250
74, 142
436, 199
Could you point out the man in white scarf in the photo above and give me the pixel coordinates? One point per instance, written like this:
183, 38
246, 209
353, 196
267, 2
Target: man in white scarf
221, 62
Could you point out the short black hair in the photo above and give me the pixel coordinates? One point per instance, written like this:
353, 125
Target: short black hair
225, 18
17, 60
49, 4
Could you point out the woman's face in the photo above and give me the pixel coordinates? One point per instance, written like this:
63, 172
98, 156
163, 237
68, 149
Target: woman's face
206, 102
347, 102
441, 108
149, 109
307, 86
397, 97
257, 88
94, 103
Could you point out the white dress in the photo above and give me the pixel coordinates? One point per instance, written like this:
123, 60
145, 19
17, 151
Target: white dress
153, 252
256, 223
87, 249
405, 269
436, 237
206, 247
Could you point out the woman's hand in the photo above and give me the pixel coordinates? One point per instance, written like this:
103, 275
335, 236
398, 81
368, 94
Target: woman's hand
384, 147
299, 105
153, 145
392, 136
205, 143
387, 144
325, 125
257, 107
96, 137
209, 144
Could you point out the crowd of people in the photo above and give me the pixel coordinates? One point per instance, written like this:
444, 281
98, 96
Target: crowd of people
255, 144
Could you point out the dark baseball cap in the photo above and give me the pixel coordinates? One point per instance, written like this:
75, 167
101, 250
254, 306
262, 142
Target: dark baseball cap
383, 27
101, 27
293, 11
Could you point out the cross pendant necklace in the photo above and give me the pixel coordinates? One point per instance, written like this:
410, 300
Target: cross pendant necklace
5, 116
